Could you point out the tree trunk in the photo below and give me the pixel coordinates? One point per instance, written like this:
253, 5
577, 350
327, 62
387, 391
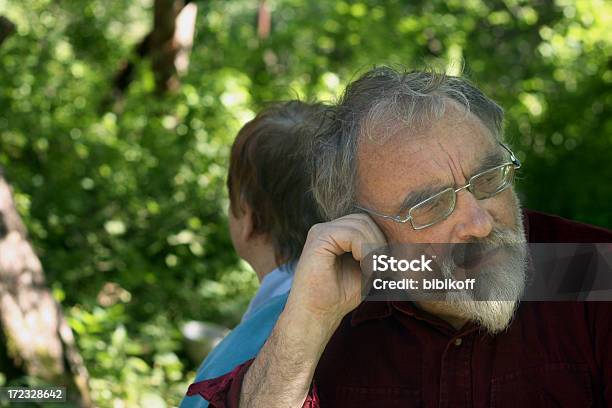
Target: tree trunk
168, 45
6, 28
38, 339
171, 41
264, 20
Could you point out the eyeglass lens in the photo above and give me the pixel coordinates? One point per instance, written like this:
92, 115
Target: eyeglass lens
441, 205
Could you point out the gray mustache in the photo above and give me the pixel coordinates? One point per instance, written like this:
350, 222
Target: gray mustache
468, 254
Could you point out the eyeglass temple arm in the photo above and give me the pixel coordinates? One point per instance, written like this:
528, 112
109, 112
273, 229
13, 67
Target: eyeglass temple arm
390, 217
514, 159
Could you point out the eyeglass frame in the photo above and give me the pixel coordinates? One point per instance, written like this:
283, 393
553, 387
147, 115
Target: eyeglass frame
402, 220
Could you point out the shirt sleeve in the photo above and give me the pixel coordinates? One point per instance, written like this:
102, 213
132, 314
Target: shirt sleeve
224, 391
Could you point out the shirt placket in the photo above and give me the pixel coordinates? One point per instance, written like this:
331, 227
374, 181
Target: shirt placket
456, 372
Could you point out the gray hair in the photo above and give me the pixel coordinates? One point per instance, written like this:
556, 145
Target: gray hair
381, 102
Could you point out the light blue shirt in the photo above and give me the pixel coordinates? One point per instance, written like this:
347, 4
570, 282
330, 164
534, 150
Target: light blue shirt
245, 341
275, 283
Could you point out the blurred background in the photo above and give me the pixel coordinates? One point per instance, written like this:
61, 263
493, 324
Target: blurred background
116, 119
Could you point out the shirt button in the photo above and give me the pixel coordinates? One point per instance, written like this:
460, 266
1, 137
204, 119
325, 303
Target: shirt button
458, 341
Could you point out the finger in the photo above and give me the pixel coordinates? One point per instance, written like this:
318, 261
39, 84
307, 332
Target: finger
337, 239
367, 225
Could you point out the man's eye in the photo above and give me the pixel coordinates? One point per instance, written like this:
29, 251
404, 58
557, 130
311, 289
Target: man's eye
431, 206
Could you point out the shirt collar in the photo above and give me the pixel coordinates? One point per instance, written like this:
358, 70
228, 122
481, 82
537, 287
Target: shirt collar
370, 311
374, 310
288, 268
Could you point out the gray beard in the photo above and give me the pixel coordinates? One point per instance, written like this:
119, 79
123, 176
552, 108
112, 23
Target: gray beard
498, 288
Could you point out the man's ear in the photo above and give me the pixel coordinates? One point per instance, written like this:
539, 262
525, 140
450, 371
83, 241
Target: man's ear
246, 223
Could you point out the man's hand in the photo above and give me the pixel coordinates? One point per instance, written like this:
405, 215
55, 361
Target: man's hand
327, 285
327, 281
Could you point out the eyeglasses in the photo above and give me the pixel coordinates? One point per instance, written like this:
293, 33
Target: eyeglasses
438, 207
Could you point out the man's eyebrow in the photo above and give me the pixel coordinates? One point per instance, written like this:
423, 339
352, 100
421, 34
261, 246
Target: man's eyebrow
492, 159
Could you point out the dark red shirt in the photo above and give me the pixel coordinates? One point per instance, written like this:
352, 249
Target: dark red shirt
392, 354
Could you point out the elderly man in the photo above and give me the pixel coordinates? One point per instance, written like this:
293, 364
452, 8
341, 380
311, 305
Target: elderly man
419, 158
271, 211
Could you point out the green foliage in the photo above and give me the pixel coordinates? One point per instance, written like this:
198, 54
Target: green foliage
134, 195
138, 367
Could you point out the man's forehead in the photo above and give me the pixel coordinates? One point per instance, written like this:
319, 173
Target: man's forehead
424, 160
445, 151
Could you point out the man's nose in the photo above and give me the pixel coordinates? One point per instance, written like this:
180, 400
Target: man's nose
472, 220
